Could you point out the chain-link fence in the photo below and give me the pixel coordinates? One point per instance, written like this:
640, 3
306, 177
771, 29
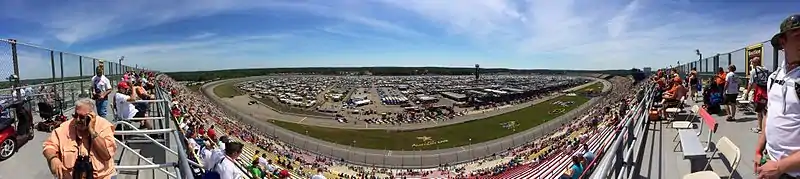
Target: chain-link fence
29, 70
709, 65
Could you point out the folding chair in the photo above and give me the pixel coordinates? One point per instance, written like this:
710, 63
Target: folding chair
726, 148
671, 112
686, 124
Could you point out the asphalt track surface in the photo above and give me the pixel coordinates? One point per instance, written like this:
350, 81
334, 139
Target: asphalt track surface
385, 158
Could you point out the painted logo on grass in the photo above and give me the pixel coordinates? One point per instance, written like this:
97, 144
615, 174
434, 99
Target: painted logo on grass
427, 141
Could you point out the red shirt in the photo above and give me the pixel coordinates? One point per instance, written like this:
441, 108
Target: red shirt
212, 134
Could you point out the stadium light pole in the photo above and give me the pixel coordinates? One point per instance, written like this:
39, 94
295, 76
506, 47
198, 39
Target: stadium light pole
120, 63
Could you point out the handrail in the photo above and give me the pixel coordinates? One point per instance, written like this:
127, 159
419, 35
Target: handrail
183, 160
149, 131
145, 136
620, 161
146, 167
142, 158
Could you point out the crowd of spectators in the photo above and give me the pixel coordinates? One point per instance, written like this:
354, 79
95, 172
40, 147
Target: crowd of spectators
607, 113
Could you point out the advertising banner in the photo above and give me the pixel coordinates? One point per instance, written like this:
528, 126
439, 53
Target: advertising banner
751, 52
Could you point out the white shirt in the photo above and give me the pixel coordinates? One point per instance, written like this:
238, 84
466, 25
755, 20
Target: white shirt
782, 128
125, 109
211, 157
262, 161
102, 82
733, 83
318, 176
227, 169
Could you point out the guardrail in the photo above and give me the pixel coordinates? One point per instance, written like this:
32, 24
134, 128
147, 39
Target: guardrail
617, 160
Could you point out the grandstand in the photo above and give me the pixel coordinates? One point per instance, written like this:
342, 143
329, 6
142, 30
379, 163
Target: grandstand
618, 131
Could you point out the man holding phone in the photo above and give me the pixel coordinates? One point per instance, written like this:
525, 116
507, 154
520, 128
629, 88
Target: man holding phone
82, 145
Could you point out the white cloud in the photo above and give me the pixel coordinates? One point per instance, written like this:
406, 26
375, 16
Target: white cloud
202, 35
204, 54
595, 35
78, 21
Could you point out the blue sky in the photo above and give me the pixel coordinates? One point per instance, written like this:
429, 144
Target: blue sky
186, 35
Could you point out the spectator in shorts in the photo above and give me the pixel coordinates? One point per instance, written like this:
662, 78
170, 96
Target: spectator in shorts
731, 92
758, 84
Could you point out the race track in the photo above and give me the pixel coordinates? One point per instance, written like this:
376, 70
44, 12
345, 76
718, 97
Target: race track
402, 159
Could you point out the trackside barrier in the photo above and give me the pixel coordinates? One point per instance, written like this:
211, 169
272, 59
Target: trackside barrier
618, 160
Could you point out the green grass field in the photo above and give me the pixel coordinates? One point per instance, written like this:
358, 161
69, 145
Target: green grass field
597, 87
226, 90
456, 135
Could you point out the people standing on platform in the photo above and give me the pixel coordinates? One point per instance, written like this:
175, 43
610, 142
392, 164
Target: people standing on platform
781, 136
758, 84
731, 92
101, 87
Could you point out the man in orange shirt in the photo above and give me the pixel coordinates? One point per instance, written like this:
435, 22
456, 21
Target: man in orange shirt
82, 145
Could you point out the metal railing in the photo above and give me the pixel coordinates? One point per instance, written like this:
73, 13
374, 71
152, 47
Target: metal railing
617, 160
58, 77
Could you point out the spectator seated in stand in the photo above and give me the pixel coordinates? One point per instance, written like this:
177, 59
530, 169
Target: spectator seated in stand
672, 97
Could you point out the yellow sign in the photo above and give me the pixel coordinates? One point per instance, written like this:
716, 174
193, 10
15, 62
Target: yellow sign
751, 52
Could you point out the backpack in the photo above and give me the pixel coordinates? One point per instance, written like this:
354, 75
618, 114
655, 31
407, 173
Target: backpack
212, 173
760, 77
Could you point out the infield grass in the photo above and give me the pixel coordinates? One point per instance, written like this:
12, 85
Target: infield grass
456, 135
226, 90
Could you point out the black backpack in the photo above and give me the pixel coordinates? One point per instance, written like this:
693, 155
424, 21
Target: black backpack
760, 77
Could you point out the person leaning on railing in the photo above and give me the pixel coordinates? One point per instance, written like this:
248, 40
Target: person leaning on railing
83, 145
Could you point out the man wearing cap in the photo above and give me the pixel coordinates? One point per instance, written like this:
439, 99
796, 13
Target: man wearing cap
124, 100
781, 134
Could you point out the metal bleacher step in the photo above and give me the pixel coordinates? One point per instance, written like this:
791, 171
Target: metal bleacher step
125, 158
129, 158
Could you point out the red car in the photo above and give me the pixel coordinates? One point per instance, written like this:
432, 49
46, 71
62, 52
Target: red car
8, 138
